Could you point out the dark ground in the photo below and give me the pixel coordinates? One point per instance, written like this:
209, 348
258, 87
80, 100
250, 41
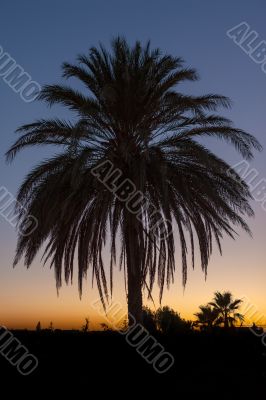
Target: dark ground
227, 365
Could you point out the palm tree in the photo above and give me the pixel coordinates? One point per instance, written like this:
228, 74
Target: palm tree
207, 316
227, 307
236, 318
133, 118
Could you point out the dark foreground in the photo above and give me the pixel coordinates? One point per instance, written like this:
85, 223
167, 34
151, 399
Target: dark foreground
98, 364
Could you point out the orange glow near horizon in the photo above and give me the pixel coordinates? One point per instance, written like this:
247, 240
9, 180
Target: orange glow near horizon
29, 296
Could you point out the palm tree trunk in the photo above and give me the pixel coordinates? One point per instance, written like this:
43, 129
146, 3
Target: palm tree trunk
134, 279
226, 324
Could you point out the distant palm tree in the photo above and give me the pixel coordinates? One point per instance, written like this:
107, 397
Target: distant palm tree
236, 318
207, 316
133, 118
226, 307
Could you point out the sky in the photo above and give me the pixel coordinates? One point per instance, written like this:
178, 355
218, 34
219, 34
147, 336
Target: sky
39, 36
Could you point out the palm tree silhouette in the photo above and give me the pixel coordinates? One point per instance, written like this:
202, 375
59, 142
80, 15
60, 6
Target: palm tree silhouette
133, 118
226, 307
207, 316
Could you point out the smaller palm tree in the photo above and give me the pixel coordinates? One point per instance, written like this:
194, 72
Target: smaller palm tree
227, 309
236, 317
207, 316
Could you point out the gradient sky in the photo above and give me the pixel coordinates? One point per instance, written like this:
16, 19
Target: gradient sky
40, 36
